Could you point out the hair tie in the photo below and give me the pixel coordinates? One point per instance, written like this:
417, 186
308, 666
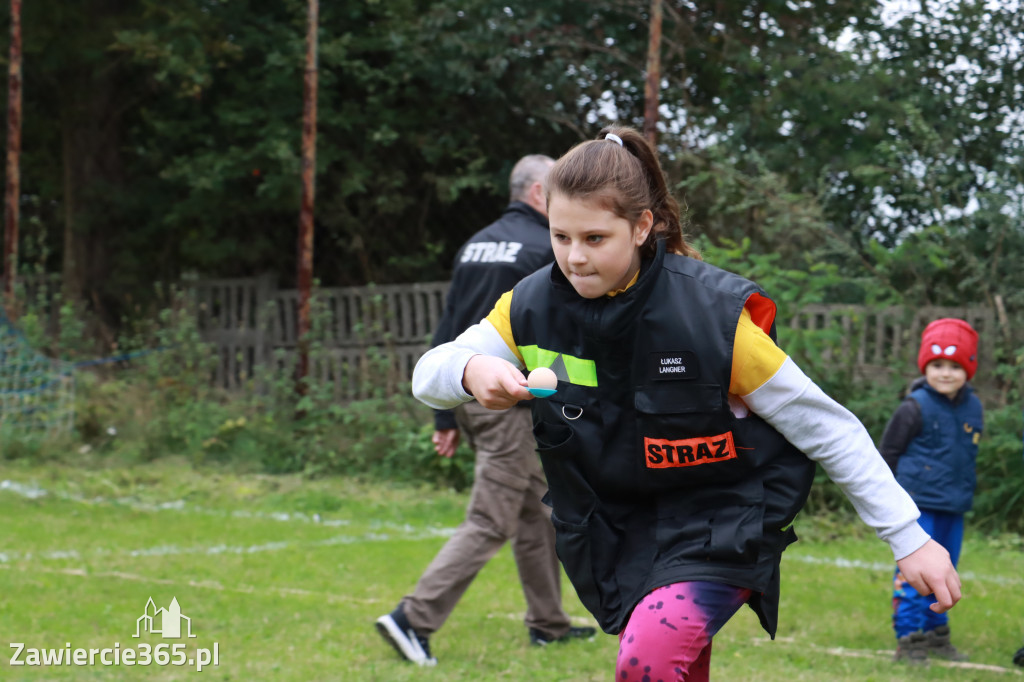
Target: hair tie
614, 138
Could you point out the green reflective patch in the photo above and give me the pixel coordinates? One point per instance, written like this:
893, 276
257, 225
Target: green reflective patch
535, 356
581, 372
566, 367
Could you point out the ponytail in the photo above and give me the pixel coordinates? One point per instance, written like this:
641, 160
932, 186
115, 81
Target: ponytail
626, 184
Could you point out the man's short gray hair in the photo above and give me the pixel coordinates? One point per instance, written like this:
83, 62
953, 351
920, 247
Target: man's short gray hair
528, 170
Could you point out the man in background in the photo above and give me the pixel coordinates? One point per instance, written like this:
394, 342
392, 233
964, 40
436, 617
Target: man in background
505, 503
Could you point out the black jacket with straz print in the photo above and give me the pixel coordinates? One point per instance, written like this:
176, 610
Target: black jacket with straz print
489, 264
652, 477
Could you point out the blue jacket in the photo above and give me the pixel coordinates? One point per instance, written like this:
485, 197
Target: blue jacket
938, 466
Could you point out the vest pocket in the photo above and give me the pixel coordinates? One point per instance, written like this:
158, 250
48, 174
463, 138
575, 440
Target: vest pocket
684, 437
588, 553
721, 523
551, 437
678, 398
558, 418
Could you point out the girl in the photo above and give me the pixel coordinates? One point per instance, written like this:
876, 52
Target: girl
681, 441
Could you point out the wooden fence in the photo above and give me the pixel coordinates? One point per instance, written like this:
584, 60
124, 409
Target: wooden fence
363, 337
872, 341
370, 337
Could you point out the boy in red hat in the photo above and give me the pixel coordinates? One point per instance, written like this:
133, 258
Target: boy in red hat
931, 444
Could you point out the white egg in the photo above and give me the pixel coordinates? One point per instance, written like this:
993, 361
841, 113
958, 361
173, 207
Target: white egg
542, 377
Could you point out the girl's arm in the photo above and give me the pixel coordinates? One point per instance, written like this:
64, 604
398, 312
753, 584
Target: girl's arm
478, 363
830, 434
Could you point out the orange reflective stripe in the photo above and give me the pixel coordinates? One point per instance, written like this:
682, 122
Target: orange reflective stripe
762, 311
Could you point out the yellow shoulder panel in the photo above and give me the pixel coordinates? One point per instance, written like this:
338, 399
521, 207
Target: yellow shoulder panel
755, 357
500, 318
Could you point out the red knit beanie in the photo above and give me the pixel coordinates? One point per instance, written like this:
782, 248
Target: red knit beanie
950, 339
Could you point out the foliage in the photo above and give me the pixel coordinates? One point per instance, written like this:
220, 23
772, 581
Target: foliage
166, 160
162, 403
825, 153
999, 501
726, 204
889, 149
52, 323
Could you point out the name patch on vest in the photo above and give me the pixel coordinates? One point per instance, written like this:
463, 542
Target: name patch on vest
668, 454
670, 365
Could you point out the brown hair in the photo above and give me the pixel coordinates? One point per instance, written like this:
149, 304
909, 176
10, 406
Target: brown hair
626, 180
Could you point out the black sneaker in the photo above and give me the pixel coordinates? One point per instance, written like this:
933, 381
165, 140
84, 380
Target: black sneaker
1018, 658
538, 638
410, 645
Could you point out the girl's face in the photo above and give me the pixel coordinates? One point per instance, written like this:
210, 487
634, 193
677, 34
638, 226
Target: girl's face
945, 376
595, 249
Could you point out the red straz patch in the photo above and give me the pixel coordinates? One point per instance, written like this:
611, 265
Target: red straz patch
666, 454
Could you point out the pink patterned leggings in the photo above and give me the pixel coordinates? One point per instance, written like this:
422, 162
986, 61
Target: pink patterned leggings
668, 636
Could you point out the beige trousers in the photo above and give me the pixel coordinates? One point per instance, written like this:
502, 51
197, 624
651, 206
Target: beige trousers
504, 505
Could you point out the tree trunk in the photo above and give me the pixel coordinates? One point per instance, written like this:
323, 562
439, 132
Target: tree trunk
305, 246
13, 189
652, 86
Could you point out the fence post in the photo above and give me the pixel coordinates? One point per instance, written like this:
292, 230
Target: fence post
266, 286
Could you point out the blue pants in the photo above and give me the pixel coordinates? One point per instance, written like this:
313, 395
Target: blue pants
910, 611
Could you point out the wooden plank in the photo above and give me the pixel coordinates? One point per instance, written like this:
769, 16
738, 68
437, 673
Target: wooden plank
881, 320
346, 319
407, 328
289, 316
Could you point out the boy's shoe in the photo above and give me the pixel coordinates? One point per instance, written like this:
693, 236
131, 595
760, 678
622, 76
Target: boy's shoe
912, 649
410, 645
538, 638
940, 646
1018, 658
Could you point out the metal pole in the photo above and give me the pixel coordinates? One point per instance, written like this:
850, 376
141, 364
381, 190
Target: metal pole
305, 247
13, 189
652, 85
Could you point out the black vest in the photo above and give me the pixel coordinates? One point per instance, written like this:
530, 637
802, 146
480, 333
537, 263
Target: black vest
652, 479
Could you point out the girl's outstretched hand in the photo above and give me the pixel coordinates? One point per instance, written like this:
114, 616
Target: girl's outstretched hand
495, 383
930, 571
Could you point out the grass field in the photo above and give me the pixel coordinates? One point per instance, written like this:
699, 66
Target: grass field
286, 576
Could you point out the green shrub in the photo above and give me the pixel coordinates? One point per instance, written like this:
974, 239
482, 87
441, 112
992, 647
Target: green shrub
999, 499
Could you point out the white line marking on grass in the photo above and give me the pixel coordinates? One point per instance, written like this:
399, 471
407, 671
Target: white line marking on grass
402, 532
884, 654
33, 492
840, 562
380, 531
204, 584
